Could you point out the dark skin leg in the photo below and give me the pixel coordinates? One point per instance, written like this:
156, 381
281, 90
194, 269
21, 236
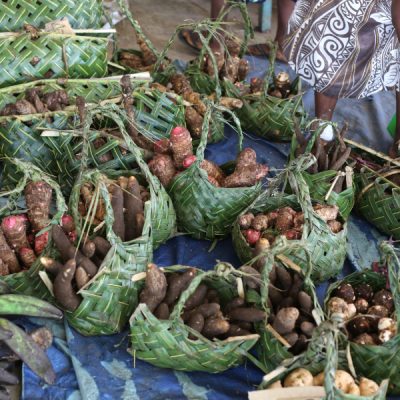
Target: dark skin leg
216, 9
394, 149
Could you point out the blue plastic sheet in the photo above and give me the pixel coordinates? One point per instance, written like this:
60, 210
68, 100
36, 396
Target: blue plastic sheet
101, 368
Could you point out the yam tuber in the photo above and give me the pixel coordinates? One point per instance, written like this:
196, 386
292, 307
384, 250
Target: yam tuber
194, 121
117, 204
51, 265
38, 199
181, 144
285, 320
41, 242
7, 255
68, 251
88, 249
215, 327
162, 311
148, 57
246, 158
196, 322
248, 314
213, 170
81, 277
177, 284
155, 287
27, 256
133, 205
15, 230
63, 290
162, 166
197, 297
368, 387
102, 246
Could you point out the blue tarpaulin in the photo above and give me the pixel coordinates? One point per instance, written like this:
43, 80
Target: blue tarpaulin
92, 368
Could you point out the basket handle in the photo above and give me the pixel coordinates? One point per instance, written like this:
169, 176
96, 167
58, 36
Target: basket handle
271, 67
32, 173
389, 255
136, 26
205, 129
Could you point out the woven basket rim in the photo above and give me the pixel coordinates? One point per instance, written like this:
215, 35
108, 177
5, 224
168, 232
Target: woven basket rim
15, 35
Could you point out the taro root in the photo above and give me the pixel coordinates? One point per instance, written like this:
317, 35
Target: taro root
359, 325
345, 291
384, 298
364, 291
361, 305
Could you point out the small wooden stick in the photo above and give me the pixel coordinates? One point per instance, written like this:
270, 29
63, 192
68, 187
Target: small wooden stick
338, 185
334, 156
341, 160
341, 136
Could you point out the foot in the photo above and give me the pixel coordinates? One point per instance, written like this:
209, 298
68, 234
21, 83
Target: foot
263, 50
192, 38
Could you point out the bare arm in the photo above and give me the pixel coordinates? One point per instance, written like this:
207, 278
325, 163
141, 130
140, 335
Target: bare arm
396, 16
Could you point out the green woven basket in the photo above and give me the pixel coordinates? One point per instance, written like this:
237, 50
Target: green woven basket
327, 250
200, 80
320, 183
166, 343
83, 14
379, 362
268, 116
378, 199
28, 282
323, 355
271, 352
50, 55
111, 296
203, 210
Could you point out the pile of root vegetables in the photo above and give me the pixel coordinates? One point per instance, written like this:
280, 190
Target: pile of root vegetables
330, 156
195, 108
290, 319
368, 315
35, 101
261, 230
140, 61
301, 377
20, 244
79, 264
174, 155
203, 311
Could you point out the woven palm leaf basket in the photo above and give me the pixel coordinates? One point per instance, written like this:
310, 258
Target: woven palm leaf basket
322, 356
81, 15
29, 56
204, 210
24, 136
169, 343
110, 296
28, 281
201, 81
322, 185
327, 249
378, 190
272, 348
382, 361
268, 116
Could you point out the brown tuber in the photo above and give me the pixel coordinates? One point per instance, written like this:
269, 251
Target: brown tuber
162, 166
177, 284
245, 220
383, 298
14, 229
38, 199
285, 320
63, 290
7, 255
181, 145
364, 291
155, 287
345, 291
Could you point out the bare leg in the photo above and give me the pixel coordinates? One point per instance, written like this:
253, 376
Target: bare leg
285, 9
216, 7
394, 149
324, 106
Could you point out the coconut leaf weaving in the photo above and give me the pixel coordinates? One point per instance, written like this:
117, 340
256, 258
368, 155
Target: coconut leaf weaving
268, 116
328, 250
92, 90
111, 296
380, 361
83, 14
161, 213
324, 355
166, 343
203, 210
28, 281
271, 352
51, 55
378, 200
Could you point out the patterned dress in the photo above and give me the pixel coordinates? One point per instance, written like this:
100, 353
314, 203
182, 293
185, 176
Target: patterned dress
344, 48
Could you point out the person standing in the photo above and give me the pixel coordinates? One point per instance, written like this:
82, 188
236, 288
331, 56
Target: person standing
346, 48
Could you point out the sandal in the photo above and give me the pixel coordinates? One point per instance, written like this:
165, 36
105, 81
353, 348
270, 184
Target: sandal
191, 38
263, 50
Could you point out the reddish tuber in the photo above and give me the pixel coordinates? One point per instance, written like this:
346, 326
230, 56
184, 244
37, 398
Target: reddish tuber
188, 161
41, 242
67, 223
27, 256
252, 236
162, 146
14, 228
